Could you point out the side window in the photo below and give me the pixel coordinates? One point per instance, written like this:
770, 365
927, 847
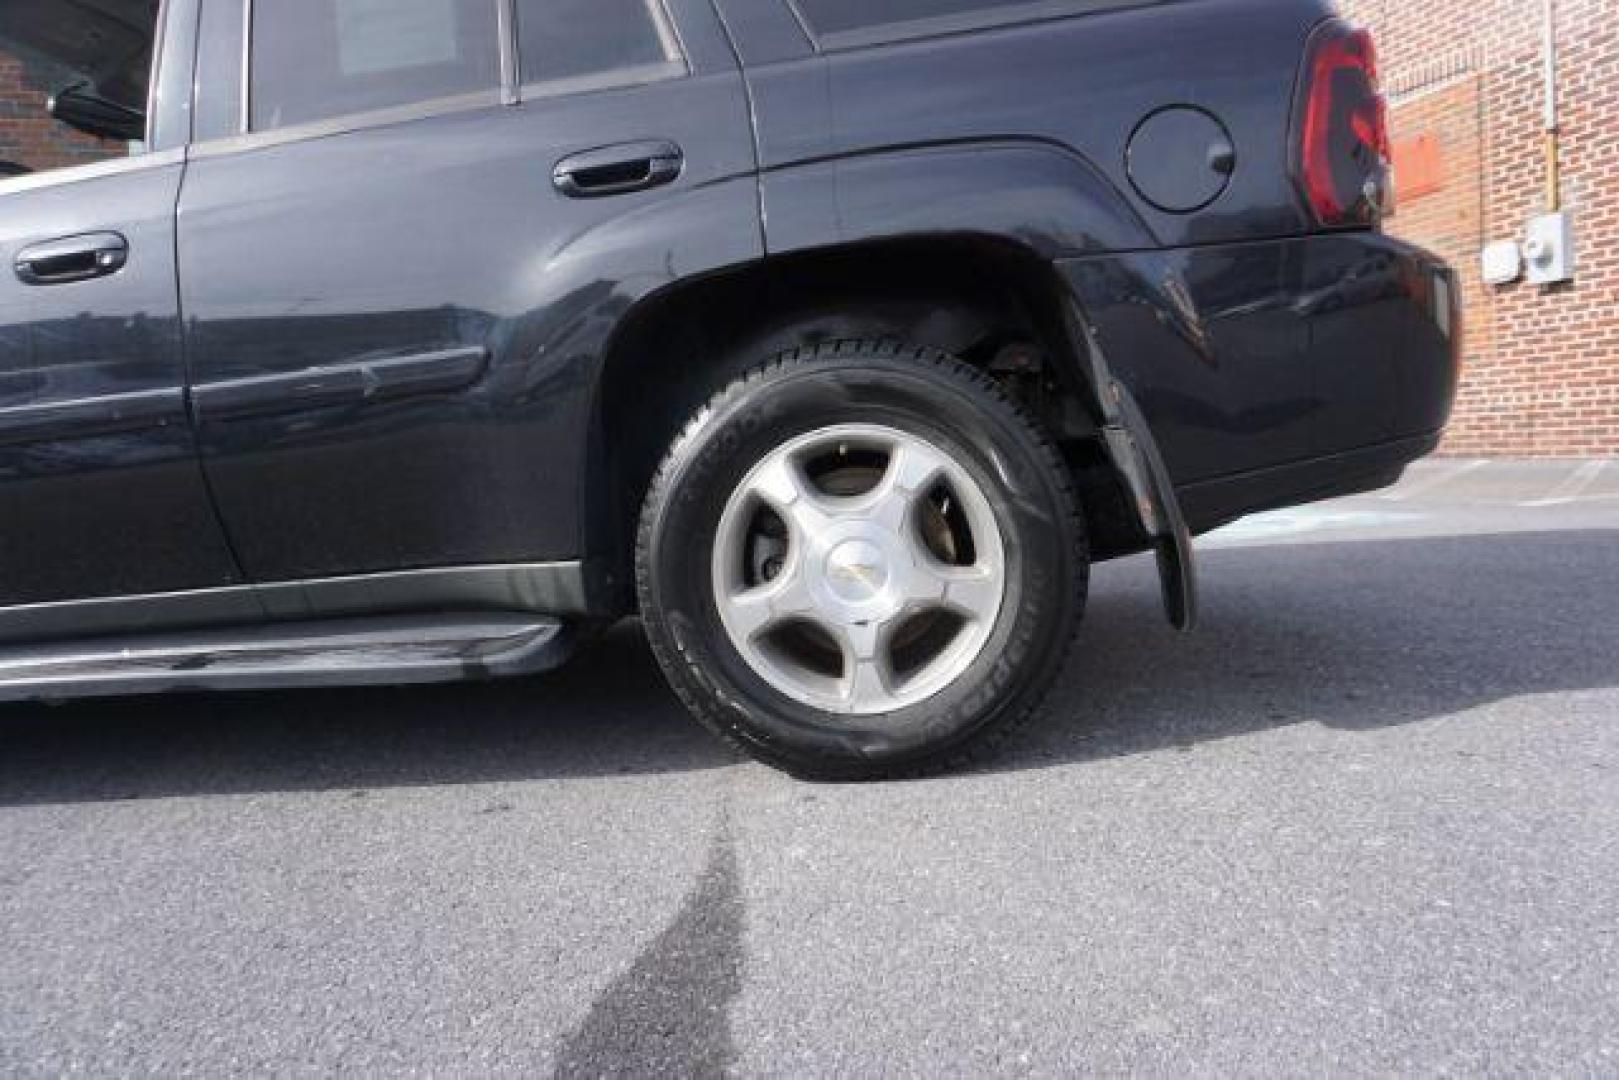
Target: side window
318, 59
852, 22
95, 65
612, 40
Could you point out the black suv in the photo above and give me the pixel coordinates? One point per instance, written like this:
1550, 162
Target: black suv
420, 339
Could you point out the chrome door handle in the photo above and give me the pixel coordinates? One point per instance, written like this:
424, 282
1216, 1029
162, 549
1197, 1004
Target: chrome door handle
72, 258
618, 170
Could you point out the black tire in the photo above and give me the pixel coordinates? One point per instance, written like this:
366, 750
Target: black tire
920, 391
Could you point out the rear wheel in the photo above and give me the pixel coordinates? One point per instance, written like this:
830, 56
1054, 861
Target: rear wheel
861, 560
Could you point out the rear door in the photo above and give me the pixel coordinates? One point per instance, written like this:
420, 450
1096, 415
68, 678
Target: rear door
404, 253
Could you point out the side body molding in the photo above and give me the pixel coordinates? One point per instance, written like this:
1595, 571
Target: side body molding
341, 384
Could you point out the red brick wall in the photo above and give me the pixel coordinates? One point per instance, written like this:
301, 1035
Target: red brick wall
1542, 373
28, 136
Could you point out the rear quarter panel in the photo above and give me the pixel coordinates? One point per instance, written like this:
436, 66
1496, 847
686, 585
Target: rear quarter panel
1249, 339
1082, 84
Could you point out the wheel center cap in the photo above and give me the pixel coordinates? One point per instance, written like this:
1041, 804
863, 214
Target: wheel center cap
856, 571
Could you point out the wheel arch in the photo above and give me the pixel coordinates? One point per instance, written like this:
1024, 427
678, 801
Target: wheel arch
988, 297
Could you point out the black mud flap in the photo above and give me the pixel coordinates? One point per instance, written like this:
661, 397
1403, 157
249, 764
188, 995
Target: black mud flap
1135, 455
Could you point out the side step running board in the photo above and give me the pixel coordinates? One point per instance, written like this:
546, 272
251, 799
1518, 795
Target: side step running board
288, 655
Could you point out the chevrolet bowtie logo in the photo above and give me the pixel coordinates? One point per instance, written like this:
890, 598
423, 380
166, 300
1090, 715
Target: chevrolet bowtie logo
865, 574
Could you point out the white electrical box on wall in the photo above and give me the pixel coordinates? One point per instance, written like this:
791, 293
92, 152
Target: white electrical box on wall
1503, 263
1548, 249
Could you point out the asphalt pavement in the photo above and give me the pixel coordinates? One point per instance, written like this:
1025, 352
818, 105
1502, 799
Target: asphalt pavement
1366, 820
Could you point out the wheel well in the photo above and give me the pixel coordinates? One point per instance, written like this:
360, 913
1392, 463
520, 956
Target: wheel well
990, 303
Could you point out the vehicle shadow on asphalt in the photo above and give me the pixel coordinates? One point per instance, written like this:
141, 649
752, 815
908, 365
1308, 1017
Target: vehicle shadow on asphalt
1356, 635
607, 713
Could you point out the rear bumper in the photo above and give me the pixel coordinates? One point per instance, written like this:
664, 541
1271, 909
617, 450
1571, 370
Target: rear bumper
1213, 503
1279, 372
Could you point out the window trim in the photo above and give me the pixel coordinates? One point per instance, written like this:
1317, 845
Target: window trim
154, 77
506, 27
244, 124
366, 120
92, 170
676, 64
934, 26
617, 78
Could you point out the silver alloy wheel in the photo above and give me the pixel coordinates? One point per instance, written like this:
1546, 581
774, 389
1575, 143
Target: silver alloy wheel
859, 570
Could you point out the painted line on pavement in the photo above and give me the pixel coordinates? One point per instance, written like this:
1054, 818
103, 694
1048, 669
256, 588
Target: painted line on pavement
1427, 484
1572, 487
1278, 525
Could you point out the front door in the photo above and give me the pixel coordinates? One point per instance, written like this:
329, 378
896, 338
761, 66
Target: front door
400, 279
101, 494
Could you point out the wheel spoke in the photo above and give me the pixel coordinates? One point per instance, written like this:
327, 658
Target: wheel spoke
912, 470
867, 680
927, 585
868, 688
782, 485
975, 593
861, 641
753, 612
779, 482
750, 614
913, 467
790, 595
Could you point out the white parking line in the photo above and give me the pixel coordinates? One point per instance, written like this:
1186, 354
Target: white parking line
1425, 485
1281, 525
1573, 487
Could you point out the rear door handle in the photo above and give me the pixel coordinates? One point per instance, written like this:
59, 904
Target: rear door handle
72, 258
618, 170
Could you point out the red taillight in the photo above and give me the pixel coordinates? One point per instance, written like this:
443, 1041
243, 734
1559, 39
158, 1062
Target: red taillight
1343, 153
